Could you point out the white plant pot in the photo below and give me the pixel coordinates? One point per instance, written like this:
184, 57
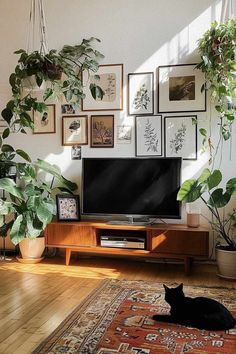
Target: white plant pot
32, 248
226, 261
29, 84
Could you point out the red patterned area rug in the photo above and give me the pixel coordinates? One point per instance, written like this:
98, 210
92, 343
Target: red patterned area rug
117, 318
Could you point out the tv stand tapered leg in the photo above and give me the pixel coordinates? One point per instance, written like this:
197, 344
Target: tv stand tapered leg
68, 254
187, 265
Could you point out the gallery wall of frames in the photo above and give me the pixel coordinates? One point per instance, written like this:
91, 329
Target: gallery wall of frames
169, 129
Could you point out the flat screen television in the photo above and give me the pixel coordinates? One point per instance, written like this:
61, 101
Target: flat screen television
134, 187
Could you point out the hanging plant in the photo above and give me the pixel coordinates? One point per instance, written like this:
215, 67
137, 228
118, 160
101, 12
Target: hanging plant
68, 63
217, 48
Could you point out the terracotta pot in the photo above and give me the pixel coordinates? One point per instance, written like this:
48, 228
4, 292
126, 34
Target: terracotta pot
32, 248
226, 261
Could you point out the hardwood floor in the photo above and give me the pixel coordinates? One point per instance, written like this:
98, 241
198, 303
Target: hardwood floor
34, 299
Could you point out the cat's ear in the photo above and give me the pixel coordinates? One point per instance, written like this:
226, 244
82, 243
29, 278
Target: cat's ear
166, 287
180, 287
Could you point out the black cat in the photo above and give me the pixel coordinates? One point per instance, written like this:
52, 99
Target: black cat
199, 312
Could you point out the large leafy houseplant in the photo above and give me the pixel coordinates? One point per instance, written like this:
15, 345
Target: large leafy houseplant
206, 187
31, 200
62, 73
217, 48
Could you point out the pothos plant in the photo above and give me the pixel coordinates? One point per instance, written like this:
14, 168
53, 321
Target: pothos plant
61, 70
217, 48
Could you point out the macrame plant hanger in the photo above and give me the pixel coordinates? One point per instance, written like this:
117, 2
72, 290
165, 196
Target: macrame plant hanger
37, 20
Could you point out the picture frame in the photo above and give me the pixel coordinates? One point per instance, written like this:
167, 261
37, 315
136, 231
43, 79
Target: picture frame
75, 152
68, 108
140, 93
68, 207
179, 89
148, 132
111, 82
102, 131
45, 122
124, 134
181, 136
74, 130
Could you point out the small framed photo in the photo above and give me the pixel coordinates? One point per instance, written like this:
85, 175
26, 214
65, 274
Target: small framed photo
68, 109
111, 82
75, 152
74, 130
140, 94
68, 207
181, 137
45, 122
148, 135
102, 131
179, 89
124, 134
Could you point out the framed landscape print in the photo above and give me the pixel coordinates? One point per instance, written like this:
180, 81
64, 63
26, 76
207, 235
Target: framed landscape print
102, 131
68, 208
148, 135
181, 137
45, 122
179, 89
74, 130
140, 94
111, 82
124, 134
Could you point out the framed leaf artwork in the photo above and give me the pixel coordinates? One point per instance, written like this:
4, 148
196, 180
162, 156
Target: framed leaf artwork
111, 82
102, 131
148, 131
181, 137
140, 94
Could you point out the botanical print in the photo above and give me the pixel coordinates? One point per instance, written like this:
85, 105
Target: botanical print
124, 134
177, 143
141, 98
68, 208
102, 131
44, 122
107, 82
182, 88
140, 93
181, 137
74, 130
110, 78
149, 135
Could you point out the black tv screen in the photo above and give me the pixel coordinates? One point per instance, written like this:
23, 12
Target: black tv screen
131, 186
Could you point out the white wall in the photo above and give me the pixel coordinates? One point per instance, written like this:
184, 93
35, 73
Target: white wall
140, 34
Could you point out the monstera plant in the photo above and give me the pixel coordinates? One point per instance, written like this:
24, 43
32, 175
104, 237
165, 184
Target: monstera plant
217, 199
31, 203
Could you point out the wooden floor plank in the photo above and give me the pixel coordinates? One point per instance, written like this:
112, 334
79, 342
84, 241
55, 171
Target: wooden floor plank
35, 298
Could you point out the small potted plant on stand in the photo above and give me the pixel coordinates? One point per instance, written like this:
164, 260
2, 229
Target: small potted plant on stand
222, 223
32, 206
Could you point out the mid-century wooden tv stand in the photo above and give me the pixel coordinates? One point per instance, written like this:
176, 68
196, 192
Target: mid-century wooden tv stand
162, 240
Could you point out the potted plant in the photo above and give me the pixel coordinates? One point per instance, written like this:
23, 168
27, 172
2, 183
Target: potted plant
206, 187
31, 204
217, 48
62, 73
